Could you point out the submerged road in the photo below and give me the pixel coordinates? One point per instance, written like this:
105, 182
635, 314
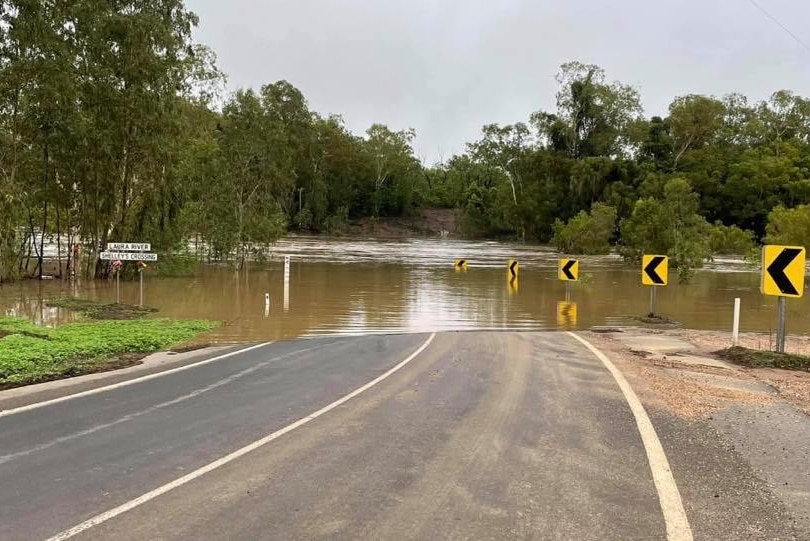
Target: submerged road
447, 436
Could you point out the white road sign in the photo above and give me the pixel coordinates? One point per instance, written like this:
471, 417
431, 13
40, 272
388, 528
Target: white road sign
129, 247
128, 256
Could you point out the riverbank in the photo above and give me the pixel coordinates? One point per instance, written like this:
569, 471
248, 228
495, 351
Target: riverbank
431, 222
34, 354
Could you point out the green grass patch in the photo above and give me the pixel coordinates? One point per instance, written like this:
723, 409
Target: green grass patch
31, 354
97, 310
754, 358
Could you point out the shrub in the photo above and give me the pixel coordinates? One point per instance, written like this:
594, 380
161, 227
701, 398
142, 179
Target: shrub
586, 233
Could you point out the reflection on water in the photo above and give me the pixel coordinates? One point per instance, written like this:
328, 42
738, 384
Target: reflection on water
351, 286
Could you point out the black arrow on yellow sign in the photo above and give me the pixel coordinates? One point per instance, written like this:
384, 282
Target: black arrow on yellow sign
567, 269
513, 269
777, 270
651, 268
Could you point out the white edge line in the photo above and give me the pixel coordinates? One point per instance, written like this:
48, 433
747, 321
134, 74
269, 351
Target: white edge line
669, 497
140, 500
126, 383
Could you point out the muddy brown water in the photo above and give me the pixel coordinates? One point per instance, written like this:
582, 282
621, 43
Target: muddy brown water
348, 286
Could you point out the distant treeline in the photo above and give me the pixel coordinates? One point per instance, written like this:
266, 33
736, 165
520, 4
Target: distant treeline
114, 126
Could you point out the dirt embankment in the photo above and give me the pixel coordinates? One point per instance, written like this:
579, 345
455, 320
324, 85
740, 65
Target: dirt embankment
431, 222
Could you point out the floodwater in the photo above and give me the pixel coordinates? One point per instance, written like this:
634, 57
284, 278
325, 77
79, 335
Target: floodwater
344, 286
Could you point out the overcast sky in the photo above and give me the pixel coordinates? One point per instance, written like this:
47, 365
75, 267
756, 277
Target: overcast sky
447, 67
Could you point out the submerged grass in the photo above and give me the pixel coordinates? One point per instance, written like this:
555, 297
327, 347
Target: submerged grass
754, 358
31, 354
97, 310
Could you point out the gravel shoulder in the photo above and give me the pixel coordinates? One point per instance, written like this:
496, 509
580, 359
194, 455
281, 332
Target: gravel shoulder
761, 417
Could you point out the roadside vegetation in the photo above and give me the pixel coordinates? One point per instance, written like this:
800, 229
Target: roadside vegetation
754, 358
115, 126
97, 310
33, 354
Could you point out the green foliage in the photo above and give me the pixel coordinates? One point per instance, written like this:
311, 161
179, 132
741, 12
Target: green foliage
671, 226
111, 130
754, 358
586, 233
730, 240
30, 354
177, 265
789, 226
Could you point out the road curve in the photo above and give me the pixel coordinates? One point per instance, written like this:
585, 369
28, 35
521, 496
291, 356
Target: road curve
480, 436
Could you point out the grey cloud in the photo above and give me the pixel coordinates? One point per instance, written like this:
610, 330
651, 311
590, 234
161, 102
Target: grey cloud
447, 67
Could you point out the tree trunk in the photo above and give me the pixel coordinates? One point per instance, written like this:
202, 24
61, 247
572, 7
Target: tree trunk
44, 211
59, 241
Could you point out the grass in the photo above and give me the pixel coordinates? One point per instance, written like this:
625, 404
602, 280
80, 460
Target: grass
31, 354
754, 358
96, 310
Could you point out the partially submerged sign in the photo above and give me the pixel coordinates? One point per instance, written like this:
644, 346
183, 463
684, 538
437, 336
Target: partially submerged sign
568, 270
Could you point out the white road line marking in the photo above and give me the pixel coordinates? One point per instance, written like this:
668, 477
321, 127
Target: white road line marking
127, 383
668, 495
156, 407
140, 500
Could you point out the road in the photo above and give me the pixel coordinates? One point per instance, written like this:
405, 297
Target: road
447, 436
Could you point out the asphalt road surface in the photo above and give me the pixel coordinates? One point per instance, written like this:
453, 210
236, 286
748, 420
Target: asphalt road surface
452, 436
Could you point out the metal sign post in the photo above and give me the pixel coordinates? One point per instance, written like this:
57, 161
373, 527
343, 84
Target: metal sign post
783, 269
128, 251
568, 271
654, 273
781, 306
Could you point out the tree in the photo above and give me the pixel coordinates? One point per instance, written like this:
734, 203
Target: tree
592, 115
586, 233
730, 240
694, 120
392, 157
670, 225
789, 226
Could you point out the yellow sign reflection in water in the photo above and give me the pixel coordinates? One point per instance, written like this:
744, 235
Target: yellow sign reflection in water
566, 314
512, 285
512, 268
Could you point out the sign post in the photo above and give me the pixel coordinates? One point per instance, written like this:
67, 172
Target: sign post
140, 272
128, 251
568, 271
654, 272
286, 283
782, 276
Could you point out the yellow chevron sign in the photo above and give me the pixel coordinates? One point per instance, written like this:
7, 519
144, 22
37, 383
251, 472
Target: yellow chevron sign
568, 270
783, 271
654, 270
